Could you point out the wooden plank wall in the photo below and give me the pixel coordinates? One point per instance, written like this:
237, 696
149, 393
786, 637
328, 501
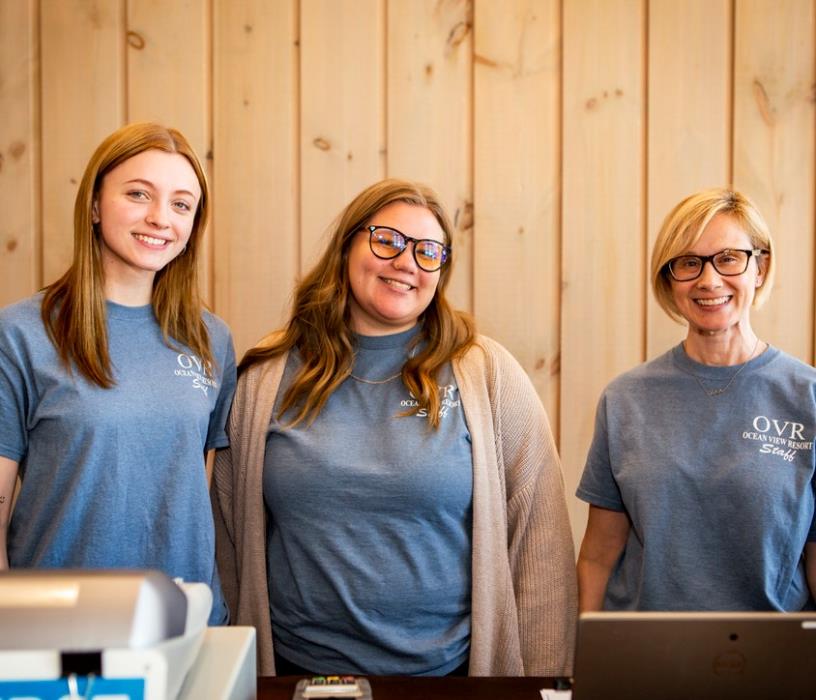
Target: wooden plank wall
559, 133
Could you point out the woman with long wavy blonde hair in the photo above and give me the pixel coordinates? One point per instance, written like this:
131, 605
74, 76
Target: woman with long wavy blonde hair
115, 381
392, 501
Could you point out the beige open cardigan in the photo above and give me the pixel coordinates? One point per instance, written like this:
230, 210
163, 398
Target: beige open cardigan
524, 592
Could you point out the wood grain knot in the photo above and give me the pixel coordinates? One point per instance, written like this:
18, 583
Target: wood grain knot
594, 102
457, 34
485, 61
555, 367
135, 40
463, 218
321, 143
17, 149
94, 17
11, 246
763, 102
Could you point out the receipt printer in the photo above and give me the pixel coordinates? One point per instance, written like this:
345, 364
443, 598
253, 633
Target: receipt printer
98, 634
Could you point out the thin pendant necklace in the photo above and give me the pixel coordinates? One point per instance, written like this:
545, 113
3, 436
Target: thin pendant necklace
722, 390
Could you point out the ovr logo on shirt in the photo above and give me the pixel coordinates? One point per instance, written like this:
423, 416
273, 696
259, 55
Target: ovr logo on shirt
449, 400
783, 438
193, 366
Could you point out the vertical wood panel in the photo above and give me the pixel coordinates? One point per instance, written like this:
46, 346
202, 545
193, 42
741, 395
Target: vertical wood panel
429, 113
82, 102
689, 120
169, 77
255, 162
19, 192
489, 135
342, 145
517, 183
603, 305
774, 154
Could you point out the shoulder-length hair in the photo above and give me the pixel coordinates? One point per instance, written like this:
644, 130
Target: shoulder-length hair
319, 326
683, 227
73, 308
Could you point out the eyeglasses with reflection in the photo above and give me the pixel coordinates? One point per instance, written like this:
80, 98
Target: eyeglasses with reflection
387, 243
728, 263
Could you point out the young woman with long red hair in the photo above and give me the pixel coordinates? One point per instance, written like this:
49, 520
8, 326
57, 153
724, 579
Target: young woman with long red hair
115, 382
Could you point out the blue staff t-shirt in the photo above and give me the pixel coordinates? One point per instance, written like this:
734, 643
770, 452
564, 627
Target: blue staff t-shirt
113, 478
719, 489
369, 525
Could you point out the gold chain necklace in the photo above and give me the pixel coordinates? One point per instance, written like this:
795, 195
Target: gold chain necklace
722, 390
376, 381
381, 381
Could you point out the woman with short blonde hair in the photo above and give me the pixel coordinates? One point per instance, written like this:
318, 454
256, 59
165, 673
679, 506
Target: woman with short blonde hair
684, 226
700, 478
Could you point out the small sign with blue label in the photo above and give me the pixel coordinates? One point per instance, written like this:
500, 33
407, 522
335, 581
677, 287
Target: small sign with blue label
99, 689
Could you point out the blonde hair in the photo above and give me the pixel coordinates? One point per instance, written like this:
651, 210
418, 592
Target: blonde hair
319, 325
73, 308
685, 224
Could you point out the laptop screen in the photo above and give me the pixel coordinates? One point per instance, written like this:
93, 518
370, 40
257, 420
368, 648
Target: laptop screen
705, 656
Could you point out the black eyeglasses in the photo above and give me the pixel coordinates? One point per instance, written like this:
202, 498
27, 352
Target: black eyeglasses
387, 243
728, 263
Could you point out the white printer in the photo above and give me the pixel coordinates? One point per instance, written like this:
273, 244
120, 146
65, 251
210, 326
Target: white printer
123, 635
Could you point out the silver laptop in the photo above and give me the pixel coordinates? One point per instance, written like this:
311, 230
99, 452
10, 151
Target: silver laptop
700, 656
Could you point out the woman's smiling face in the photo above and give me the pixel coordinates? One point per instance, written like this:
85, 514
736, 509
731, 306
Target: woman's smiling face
714, 303
145, 210
389, 296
